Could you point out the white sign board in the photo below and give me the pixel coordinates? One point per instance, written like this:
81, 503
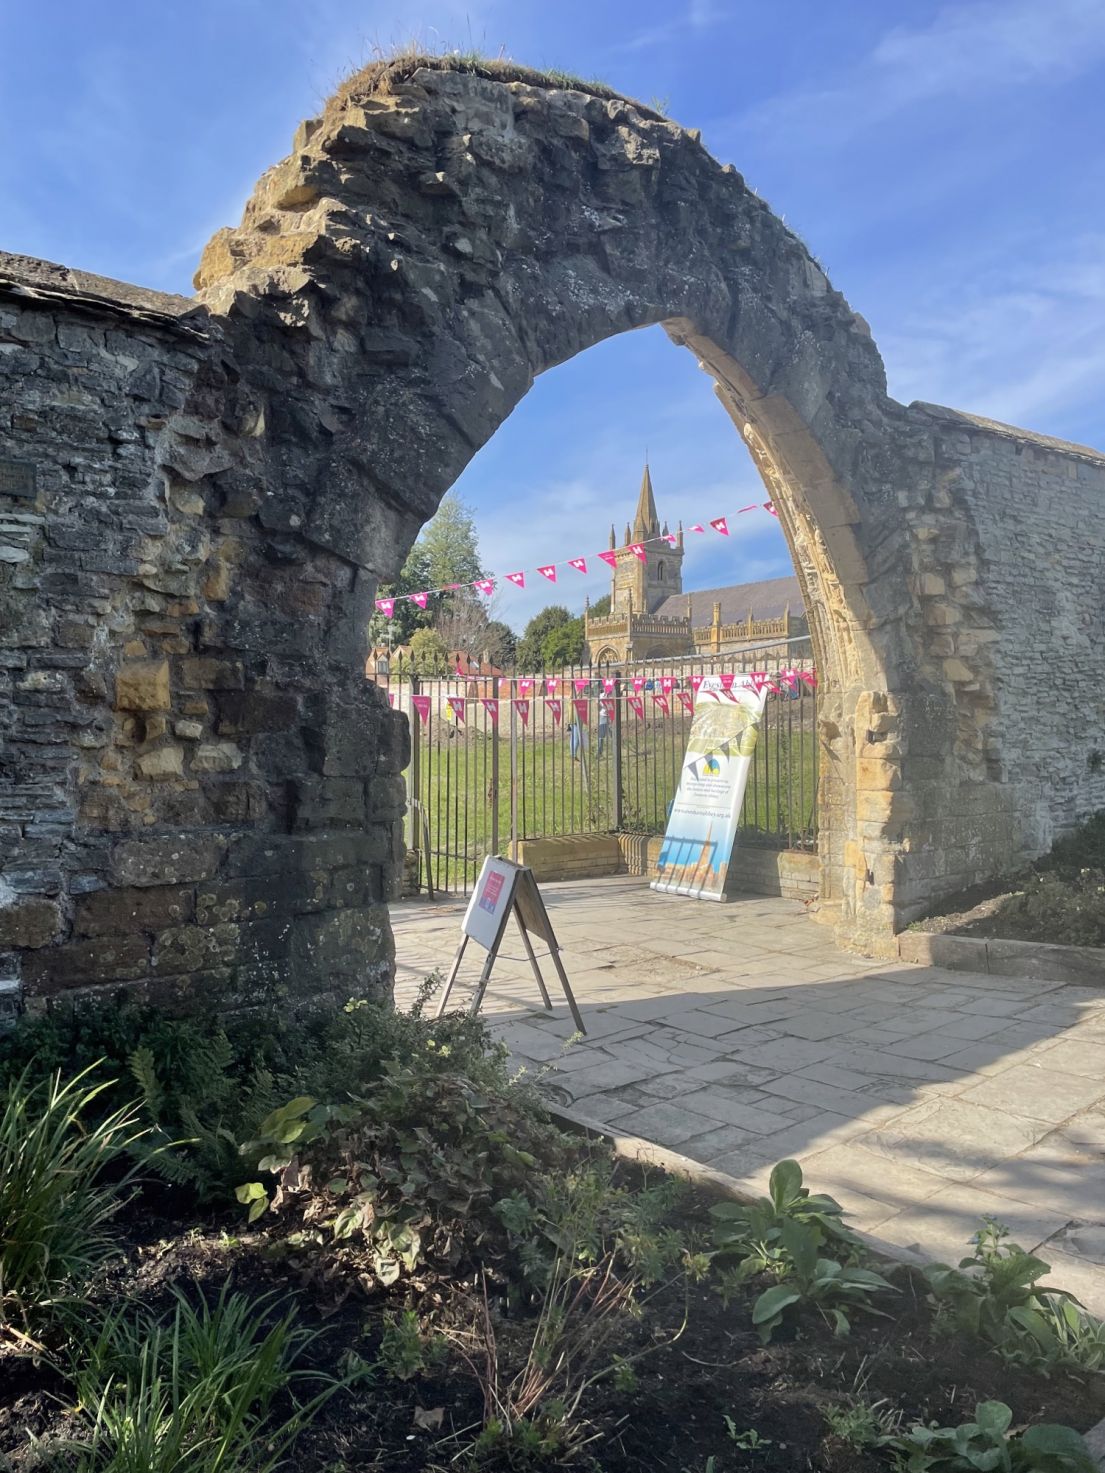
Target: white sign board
491, 901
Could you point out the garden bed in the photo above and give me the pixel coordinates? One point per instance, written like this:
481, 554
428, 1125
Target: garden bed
430, 1276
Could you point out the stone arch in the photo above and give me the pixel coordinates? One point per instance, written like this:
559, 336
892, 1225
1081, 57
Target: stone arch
606, 656
438, 239
207, 793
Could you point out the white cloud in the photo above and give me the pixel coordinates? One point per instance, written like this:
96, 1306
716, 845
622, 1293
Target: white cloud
1021, 339
965, 51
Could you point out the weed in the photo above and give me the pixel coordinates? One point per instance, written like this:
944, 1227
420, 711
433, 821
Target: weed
749, 1440
822, 1283
54, 1199
402, 1354
863, 1424
753, 1230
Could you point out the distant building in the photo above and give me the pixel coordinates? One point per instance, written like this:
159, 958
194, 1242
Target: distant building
651, 618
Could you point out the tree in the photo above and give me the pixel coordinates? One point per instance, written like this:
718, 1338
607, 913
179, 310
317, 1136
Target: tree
429, 652
447, 552
500, 643
563, 645
601, 607
530, 652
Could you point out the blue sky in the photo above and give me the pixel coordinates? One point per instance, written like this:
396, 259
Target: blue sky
943, 161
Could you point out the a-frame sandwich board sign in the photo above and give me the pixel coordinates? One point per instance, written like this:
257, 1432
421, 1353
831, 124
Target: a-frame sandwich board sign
504, 889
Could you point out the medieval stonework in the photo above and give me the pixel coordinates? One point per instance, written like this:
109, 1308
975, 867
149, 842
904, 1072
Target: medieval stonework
651, 618
200, 793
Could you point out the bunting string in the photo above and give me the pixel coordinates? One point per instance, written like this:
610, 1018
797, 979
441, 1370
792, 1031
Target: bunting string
633, 689
639, 550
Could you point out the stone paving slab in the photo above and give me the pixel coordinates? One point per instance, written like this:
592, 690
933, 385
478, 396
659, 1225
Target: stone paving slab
738, 1034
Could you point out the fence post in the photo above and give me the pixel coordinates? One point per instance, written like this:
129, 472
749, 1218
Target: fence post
495, 769
513, 774
617, 761
414, 807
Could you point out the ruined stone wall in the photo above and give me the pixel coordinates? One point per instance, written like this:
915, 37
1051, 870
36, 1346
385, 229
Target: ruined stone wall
200, 793
189, 806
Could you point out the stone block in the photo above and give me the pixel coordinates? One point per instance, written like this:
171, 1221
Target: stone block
170, 860
104, 959
143, 686
110, 912
210, 674
162, 763
260, 899
216, 757
29, 921
273, 854
195, 948
387, 798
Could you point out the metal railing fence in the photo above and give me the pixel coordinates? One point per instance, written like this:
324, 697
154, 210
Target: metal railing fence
482, 781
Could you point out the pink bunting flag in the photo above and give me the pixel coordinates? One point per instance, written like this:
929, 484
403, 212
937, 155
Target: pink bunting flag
609, 683
609, 558
770, 506
636, 705
522, 707
754, 507
551, 684
758, 679
607, 708
719, 524
770, 685
638, 551
525, 685
485, 585
421, 599
581, 684
727, 682
422, 705
456, 706
518, 579
581, 711
451, 587
548, 572
661, 701
809, 677
386, 606
638, 682
698, 527
557, 709
391, 698
696, 681
791, 678
668, 682
579, 563
491, 706
686, 701
669, 538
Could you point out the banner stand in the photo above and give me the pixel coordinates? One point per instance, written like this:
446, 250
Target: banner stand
702, 825
504, 889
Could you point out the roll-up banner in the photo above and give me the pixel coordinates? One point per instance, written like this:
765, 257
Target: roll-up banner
702, 823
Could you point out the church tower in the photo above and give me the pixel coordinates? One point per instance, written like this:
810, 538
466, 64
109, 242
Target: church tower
641, 587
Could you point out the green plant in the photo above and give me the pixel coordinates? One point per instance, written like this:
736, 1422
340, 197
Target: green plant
55, 1196
994, 1294
863, 1424
402, 1352
810, 1280
749, 1440
985, 1446
194, 1393
753, 1230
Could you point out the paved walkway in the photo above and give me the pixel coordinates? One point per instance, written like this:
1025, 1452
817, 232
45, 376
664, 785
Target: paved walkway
737, 1034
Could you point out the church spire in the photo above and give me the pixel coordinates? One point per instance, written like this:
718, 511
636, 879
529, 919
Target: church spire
646, 523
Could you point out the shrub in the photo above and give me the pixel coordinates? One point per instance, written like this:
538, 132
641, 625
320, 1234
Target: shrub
55, 1198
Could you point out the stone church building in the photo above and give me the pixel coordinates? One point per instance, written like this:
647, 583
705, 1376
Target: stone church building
651, 618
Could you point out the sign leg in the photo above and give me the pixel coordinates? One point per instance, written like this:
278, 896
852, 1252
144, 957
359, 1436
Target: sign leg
554, 952
533, 962
453, 970
485, 977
